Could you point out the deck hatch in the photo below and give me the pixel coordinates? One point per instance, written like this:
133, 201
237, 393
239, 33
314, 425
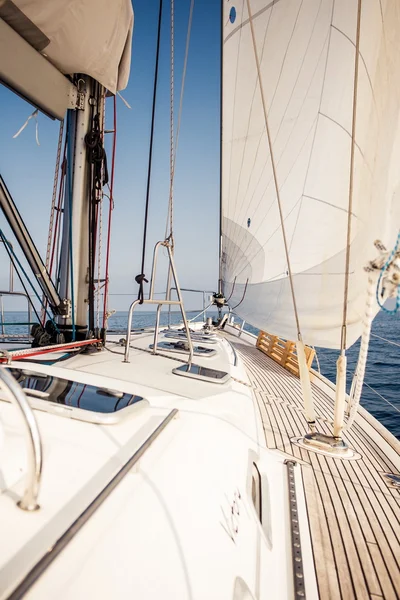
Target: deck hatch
202, 373
66, 392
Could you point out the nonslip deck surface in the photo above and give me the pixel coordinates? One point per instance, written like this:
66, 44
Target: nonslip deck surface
354, 516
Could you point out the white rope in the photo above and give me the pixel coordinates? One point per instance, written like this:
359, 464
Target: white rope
304, 372
172, 129
374, 268
200, 313
34, 115
124, 101
173, 159
317, 360
351, 182
358, 378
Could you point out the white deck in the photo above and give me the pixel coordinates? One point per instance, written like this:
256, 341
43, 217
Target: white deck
354, 515
182, 523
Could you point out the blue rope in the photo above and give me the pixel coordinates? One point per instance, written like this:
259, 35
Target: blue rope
378, 287
5, 241
69, 175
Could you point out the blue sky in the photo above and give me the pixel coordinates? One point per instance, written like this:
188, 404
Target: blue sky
28, 169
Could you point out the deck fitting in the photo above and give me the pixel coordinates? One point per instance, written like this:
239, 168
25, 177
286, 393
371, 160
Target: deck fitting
326, 444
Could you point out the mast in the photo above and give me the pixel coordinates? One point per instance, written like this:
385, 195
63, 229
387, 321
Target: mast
220, 144
76, 259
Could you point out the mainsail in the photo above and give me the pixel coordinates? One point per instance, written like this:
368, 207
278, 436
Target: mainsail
307, 55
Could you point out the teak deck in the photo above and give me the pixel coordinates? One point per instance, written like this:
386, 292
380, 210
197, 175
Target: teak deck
354, 515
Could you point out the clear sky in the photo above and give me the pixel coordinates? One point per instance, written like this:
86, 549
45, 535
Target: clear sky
28, 169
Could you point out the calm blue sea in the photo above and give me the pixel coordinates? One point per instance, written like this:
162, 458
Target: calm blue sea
380, 394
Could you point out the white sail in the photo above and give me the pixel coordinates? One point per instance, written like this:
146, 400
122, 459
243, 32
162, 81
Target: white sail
78, 36
307, 55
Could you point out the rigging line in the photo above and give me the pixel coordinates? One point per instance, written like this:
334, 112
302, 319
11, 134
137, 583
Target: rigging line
170, 217
55, 227
221, 112
380, 396
172, 129
70, 162
233, 288
351, 183
244, 293
15, 261
54, 196
385, 340
141, 277
274, 169
111, 207
100, 220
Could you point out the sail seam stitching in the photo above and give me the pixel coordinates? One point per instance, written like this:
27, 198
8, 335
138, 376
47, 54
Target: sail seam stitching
287, 143
249, 121
274, 171
272, 102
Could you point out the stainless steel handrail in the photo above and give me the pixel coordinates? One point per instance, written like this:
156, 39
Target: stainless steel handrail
160, 303
12, 293
34, 444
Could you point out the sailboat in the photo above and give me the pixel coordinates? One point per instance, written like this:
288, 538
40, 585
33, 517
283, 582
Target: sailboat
200, 461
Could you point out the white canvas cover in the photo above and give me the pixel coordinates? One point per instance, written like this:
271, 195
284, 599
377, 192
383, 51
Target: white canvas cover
79, 36
307, 54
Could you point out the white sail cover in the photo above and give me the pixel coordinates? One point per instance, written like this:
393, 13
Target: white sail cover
307, 53
78, 36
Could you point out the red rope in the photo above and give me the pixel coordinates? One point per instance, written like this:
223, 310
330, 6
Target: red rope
63, 171
47, 350
110, 213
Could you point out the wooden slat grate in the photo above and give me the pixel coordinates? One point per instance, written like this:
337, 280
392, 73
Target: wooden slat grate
354, 516
283, 352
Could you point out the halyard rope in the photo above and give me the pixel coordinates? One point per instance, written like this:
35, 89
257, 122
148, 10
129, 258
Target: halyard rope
174, 144
351, 182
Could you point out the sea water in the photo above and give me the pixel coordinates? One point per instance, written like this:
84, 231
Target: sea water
380, 395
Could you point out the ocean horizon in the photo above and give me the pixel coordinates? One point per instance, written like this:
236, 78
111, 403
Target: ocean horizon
380, 392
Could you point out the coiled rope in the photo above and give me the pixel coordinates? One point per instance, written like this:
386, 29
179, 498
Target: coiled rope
383, 283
